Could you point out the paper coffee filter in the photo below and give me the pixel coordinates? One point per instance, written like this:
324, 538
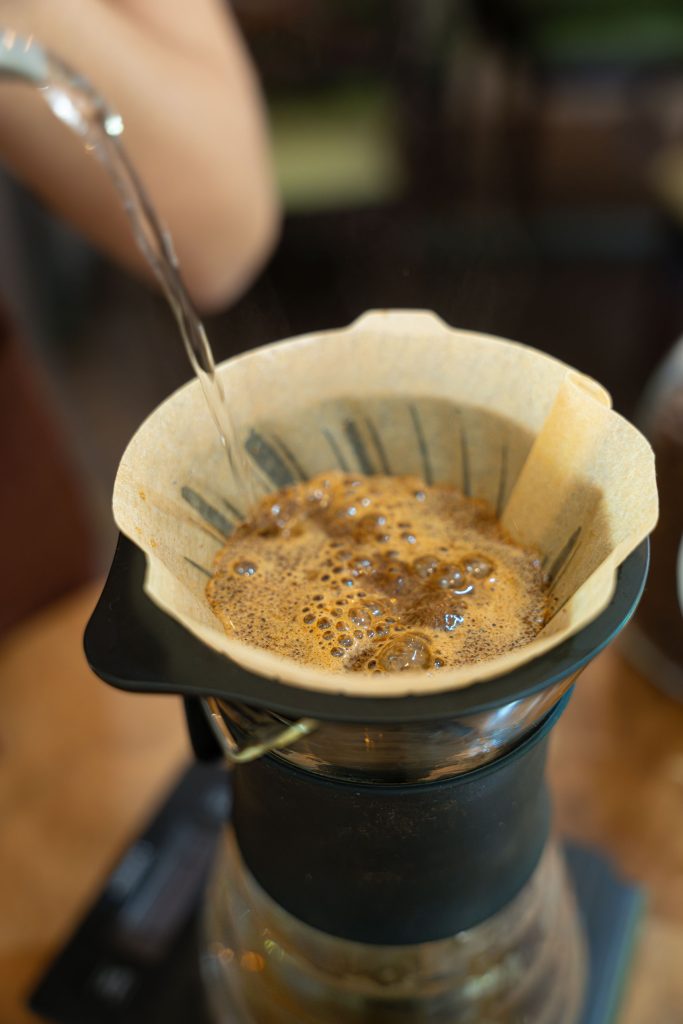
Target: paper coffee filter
397, 392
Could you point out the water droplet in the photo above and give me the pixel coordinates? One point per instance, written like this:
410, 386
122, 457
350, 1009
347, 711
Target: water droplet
113, 125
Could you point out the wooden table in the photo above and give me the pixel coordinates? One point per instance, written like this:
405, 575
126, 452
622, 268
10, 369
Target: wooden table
81, 766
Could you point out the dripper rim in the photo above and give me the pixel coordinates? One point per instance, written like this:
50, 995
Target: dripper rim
132, 644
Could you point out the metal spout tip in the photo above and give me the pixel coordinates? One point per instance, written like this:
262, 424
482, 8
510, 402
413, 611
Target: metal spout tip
21, 58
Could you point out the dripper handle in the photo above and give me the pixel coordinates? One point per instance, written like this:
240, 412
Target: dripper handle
258, 745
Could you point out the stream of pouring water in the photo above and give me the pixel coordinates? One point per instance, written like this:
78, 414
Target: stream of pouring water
78, 105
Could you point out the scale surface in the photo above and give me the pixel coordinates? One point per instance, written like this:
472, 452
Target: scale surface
134, 959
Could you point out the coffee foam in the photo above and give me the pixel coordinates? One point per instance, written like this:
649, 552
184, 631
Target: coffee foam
377, 574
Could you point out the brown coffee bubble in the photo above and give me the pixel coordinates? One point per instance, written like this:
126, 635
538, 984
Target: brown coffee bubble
245, 568
425, 566
360, 566
450, 576
408, 652
437, 611
478, 568
360, 615
369, 524
376, 608
443, 585
392, 577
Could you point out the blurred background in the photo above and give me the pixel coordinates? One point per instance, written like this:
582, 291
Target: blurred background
514, 165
